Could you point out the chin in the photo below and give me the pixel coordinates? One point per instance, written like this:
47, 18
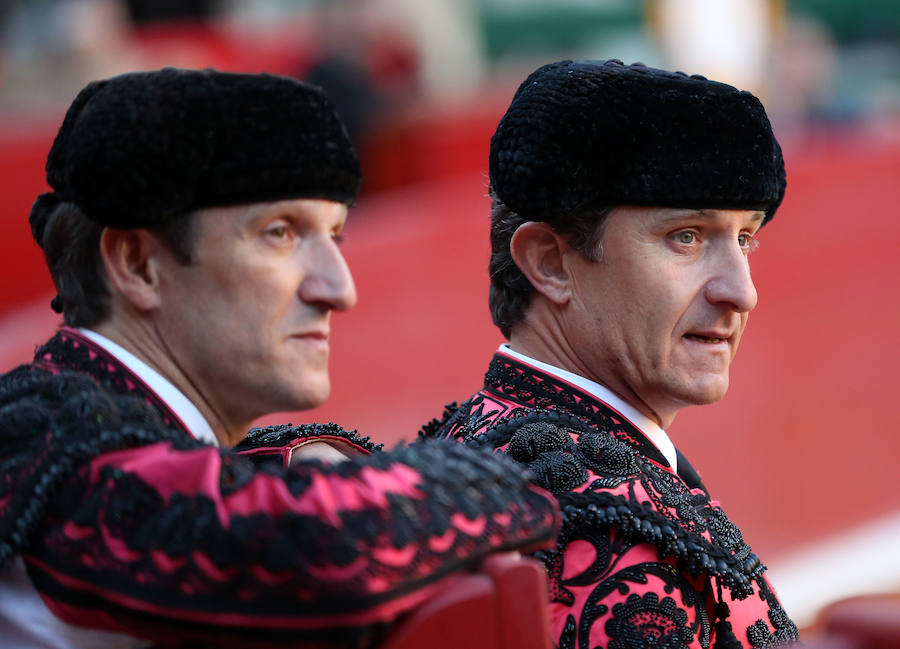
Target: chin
696, 390
315, 396
306, 395
710, 391
318, 394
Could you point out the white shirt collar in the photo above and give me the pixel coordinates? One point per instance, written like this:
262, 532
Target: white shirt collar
647, 426
183, 408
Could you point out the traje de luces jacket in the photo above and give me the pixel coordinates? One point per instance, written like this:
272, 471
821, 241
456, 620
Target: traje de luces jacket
644, 557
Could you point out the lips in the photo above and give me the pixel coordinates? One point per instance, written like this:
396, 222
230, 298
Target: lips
708, 337
316, 338
319, 335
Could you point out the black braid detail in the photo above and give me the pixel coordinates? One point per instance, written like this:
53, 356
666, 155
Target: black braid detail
694, 553
725, 638
283, 434
468, 421
502, 429
49, 427
84, 356
514, 380
431, 429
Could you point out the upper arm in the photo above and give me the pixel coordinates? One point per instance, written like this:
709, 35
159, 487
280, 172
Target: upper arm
165, 539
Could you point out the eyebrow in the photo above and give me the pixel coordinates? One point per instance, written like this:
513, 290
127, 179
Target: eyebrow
705, 213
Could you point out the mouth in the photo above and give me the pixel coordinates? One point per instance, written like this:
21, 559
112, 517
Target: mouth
708, 338
315, 334
315, 338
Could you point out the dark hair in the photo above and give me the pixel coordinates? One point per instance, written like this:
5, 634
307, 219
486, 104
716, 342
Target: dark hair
510, 291
71, 245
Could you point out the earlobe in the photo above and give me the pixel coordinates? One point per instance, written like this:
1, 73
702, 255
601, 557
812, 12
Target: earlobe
131, 266
539, 252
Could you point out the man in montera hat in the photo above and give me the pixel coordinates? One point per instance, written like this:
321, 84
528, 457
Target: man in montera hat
625, 204
192, 234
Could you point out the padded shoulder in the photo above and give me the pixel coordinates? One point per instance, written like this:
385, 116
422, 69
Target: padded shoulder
603, 483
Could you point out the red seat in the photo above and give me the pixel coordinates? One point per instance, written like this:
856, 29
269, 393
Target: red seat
864, 622
502, 606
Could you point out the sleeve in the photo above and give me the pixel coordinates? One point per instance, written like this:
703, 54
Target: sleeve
162, 542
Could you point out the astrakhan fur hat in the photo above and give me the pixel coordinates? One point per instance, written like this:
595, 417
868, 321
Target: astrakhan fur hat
139, 149
582, 135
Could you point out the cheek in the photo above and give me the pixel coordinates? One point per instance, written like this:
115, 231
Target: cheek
740, 333
635, 309
662, 306
660, 322
250, 317
679, 293
268, 295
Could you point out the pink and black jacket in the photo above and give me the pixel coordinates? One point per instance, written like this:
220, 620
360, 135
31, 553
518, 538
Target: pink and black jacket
644, 557
127, 523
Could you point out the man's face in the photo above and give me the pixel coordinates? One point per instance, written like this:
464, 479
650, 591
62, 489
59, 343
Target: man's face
658, 319
248, 320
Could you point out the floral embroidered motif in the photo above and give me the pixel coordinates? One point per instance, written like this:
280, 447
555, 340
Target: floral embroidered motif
648, 623
605, 576
784, 632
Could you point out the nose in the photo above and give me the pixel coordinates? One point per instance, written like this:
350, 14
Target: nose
328, 282
730, 282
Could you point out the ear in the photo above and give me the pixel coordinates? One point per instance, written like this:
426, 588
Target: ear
132, 265
539, 252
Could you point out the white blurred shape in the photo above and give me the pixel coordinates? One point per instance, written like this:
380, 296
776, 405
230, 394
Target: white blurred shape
725, 40
861, 561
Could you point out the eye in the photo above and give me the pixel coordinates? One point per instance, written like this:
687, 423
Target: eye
747, 242
686, 237
278, 231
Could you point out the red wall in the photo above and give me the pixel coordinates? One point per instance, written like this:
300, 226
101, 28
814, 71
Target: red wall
23, 152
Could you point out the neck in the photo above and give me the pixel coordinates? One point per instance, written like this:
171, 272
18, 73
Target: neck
141, 338
549, 344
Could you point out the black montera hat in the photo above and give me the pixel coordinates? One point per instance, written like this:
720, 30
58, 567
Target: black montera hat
142, 148
593, 134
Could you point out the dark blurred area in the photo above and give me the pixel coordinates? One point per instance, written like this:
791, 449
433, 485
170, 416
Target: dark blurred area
803, 451
150, 11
